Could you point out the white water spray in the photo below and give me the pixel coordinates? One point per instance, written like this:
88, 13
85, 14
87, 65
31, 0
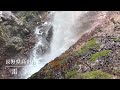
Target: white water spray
66, 32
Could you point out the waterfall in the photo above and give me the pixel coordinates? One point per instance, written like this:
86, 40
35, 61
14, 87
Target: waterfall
66, 32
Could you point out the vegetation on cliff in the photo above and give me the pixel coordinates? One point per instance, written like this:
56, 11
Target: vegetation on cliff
98, 57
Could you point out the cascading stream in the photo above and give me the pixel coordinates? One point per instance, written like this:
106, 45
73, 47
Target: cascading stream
67, 29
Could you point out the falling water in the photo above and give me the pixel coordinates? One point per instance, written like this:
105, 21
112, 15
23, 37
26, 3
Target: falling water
66, 32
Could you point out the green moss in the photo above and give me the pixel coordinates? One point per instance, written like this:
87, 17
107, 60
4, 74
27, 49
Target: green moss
90, 44
3, 33
71, 74
96, 75
99, 54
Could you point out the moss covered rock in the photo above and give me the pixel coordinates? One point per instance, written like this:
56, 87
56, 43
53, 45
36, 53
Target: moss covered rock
99, 54
96, 75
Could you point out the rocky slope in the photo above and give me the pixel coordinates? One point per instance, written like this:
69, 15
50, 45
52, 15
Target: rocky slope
95, 56
16, 36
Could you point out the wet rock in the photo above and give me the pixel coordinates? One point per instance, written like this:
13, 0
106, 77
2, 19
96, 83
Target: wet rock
50, 34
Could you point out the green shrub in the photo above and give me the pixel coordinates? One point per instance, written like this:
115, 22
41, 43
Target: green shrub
71, 74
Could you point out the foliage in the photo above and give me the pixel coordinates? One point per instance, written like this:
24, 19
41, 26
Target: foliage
90, 44
96, 75
99, 54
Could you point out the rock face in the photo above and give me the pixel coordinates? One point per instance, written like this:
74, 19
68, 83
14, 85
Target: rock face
95, 56
16, 35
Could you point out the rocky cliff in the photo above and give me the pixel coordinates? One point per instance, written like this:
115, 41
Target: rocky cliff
16, 36
96, 55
